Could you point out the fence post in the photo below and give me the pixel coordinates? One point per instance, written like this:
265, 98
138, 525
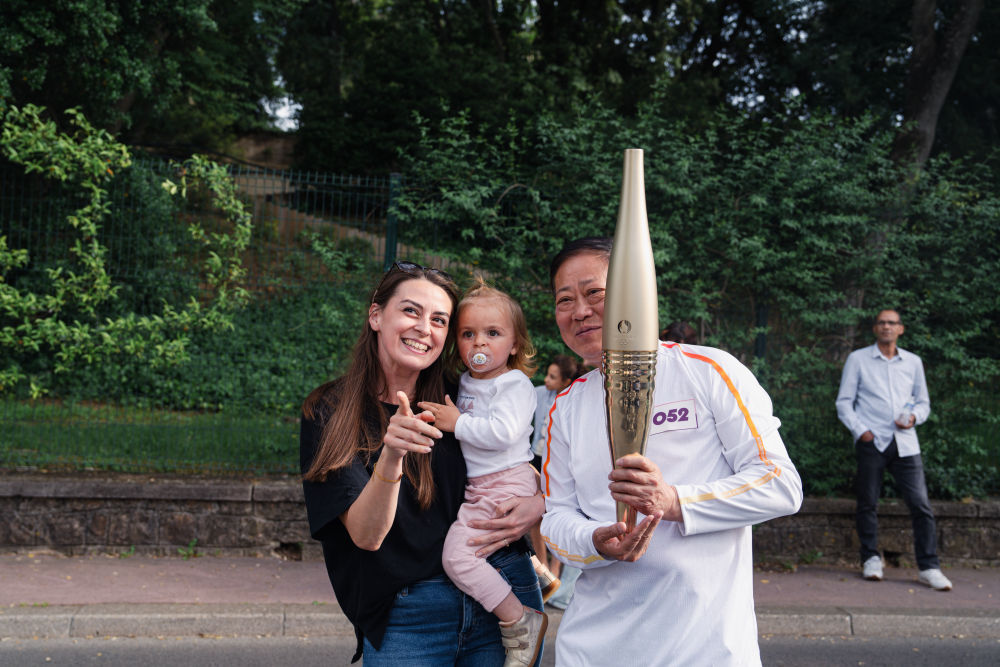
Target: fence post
391, 222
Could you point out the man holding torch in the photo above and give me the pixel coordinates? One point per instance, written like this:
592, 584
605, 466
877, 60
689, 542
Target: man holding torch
677, 588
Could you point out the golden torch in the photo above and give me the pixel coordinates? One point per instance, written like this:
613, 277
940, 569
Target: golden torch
631, 324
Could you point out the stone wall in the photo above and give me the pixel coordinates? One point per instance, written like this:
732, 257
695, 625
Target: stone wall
823, 531
77, 514
154, 515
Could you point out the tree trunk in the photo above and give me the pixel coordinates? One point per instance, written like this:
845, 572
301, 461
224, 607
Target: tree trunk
933, 64
491, 25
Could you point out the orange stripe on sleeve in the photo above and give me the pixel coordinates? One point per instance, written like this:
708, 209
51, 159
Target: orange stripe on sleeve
548, 433
774, 471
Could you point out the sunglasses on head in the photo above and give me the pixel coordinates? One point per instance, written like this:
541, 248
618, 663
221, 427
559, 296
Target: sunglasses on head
413, 269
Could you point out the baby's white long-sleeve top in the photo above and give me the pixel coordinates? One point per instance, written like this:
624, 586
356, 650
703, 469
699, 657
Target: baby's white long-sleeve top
689, 599
494, 428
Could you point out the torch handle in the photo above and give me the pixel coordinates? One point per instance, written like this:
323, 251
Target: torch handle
630, 517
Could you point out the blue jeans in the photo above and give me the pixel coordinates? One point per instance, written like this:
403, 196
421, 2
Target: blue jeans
908, 472
432, 623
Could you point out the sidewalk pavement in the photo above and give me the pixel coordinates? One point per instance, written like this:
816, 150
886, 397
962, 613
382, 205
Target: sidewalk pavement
46, 595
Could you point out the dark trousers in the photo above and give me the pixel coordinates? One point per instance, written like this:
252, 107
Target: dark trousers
908, 473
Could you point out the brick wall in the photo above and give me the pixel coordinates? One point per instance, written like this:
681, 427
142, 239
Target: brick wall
83, 513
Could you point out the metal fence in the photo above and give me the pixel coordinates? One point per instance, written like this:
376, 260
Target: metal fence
75, 426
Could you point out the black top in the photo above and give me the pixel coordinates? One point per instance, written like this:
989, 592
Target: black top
366, 582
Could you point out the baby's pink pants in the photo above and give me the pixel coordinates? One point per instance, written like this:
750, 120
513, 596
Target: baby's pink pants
475, 576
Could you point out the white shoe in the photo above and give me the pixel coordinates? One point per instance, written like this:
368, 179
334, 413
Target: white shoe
935, 579
548, 582
523, 639
872, 569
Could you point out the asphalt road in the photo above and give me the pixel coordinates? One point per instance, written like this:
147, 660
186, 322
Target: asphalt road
787, 651
324, 652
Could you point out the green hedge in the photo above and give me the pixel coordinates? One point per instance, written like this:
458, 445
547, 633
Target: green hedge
779, 241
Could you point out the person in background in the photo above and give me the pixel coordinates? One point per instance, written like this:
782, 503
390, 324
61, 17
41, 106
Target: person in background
492, 422
383, 485
882, 397
678, 588
561, 372
680, 332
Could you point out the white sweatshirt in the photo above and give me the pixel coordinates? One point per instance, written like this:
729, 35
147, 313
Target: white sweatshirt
494, 428
689, 599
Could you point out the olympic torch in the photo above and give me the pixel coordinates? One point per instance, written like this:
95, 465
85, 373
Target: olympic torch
631, 323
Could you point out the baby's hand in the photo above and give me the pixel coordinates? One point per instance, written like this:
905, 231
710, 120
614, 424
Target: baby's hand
445, 415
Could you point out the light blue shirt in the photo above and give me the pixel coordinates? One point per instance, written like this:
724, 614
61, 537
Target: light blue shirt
873, 391
545, 399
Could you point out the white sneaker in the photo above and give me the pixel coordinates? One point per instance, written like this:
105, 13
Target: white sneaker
548, 582
872, 569
935, 579
523, 639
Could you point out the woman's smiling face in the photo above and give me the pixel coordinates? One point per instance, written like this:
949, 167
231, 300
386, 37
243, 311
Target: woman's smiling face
412, 327
579, 293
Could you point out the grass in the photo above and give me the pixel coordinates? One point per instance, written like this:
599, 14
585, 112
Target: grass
51, 435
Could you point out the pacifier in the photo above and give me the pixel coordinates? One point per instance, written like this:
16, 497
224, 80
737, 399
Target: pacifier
479, 359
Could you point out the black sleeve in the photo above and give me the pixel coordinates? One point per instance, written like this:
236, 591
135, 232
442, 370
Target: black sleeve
327, 500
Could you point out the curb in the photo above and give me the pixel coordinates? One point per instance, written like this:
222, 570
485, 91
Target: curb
878, 622
298, 620
174, 620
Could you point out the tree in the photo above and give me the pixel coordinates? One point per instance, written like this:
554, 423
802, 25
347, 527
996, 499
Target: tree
612, 50
158, 71
969, 123
896, 60
937, 52
361, 70
376, 63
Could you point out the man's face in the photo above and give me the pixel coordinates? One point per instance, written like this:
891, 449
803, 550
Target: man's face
888, 327
579, 291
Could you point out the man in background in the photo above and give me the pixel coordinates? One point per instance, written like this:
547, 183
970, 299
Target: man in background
883, 395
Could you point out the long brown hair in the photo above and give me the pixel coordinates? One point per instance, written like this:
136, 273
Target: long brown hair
353, 401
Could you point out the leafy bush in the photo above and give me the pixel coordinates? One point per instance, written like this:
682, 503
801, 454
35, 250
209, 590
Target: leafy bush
59, 312
278, 350
778, 241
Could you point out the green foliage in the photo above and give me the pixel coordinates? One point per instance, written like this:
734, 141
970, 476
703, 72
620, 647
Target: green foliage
193, 71
231, 406
93, 54
190, 551
65, 316
778, 241
147, 248
360, 69
276, 353
199, 72
763, 238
